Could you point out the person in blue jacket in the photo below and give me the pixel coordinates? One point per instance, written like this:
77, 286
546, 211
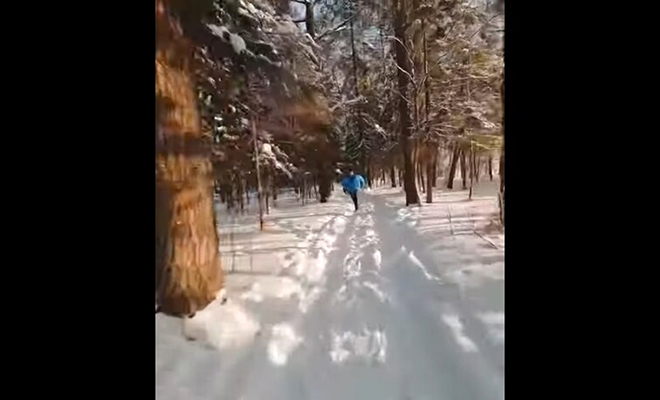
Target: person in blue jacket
352, 183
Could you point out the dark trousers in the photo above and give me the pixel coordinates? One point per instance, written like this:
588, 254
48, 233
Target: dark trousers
354, 198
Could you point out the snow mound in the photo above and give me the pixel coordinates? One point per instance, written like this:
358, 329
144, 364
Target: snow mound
222, 325
366, 345
283, 342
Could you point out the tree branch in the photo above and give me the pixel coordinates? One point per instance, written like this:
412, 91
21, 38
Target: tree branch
412, 81
402, 96
300, 1
332, 30
300, 21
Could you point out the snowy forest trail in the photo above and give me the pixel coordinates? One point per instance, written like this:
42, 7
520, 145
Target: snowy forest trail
382, 303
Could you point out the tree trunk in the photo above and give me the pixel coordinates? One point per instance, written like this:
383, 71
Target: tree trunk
429, 182
369, 174
477, 167
325, 184
188, 270
362, 156
434, 173
230, 196
439, 165
464, 169
242, 189
490, 167
421, 177
258, 172
267, 193
452, 166
502, 170
405, 126
393, 175
223, 193
309, 18
472, 171
267, 190
316, 192
427, 90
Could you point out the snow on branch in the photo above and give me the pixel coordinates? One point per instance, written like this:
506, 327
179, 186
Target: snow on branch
356, 100
236, 41
337, 28
270, 152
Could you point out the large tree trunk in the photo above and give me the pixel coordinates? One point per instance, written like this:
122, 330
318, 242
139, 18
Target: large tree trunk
452, 166
188, 271
393, 175
325, 183
405, 125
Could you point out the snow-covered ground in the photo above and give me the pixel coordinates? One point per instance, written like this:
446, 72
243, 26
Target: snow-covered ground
386, 303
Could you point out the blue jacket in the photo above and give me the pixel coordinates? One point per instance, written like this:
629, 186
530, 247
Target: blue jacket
353, 183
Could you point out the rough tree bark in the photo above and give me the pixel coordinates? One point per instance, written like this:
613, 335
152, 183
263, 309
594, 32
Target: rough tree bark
403, 81
188, 271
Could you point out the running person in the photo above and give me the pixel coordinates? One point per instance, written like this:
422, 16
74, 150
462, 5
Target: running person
352, 183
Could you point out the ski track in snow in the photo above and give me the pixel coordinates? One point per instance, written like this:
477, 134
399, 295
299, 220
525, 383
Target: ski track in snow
364, 306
